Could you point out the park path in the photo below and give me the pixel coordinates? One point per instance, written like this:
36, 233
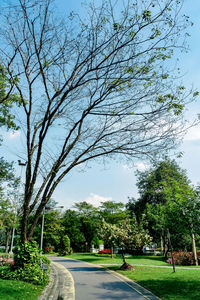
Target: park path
93, 282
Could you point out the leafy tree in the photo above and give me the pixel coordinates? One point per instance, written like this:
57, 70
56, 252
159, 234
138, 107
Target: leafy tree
64, 246
105, 86
72, 226
169, 200
85, 209
8, 200
112, 212
125, 235
7, 100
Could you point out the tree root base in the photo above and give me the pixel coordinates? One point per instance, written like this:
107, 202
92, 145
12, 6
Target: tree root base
126, 267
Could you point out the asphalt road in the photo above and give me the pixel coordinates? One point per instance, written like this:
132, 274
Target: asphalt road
93, 282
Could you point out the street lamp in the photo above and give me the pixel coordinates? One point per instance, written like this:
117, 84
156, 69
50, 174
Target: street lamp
42, 228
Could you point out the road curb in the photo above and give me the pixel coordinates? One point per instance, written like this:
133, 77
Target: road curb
61, 284
134, 285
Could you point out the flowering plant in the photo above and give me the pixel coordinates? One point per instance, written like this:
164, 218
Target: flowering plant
106, 251
169, 261
6, 260
47, 250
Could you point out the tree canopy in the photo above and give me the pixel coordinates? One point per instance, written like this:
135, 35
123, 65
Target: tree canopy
97, 87
169, 202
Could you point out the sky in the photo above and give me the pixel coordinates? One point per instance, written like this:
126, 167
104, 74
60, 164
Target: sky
116, 181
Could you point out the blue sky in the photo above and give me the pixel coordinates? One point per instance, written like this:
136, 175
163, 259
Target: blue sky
116, 181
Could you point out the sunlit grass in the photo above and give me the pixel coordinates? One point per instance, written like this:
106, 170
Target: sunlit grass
18, 290
181, 285
134, 260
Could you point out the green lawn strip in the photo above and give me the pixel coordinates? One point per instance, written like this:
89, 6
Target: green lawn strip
182, 285
117, 260
134, 260
19, 290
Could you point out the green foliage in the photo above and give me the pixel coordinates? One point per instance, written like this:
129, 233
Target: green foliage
64, 246
7, 100
125, 235
30, 273
168, 200
112, 212
72, 225
26, 253
27, 265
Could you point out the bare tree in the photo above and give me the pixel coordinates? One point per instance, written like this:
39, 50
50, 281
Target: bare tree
91, 88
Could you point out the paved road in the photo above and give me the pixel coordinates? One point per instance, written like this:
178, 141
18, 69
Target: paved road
93, 282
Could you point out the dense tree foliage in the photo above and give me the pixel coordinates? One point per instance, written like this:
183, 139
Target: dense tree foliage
9, 200
169, 202
7, 100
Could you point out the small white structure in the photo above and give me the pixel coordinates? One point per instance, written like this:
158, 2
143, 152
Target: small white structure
94, 250
101, 247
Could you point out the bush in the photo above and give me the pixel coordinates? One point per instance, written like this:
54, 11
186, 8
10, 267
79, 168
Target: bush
29, 273
64, 246
27, 265
6, 260
106, 251
184, 258
27, 253
47, 250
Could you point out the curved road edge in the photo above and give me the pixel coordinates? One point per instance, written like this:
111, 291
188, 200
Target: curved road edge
61, 284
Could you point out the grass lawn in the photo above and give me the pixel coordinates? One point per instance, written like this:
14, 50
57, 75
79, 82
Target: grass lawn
18, 290
133, 260
182, 285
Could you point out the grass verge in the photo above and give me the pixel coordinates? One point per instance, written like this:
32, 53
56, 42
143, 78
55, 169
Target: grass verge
182, 285
117, 260
19, 290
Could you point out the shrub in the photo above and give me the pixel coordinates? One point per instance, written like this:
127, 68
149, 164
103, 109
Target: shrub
184, 258
30, 273
47, 250
169, 261
27, 253
6, 260
64, 246
27, 265
106, 251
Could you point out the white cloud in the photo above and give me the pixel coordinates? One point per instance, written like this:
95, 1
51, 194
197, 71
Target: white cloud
14, 135
96, 200
141, 166
193, 134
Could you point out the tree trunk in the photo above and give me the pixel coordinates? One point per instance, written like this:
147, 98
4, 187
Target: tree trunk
7, 240
162, 243
123, 256
112, 251
171, 250
194, 249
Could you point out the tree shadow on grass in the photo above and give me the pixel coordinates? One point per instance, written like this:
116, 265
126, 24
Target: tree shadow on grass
171, 289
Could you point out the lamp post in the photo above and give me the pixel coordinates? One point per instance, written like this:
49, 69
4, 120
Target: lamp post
22, 164
42, 227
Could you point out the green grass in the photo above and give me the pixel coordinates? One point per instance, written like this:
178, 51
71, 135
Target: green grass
18, 290
133, 260
182, 285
